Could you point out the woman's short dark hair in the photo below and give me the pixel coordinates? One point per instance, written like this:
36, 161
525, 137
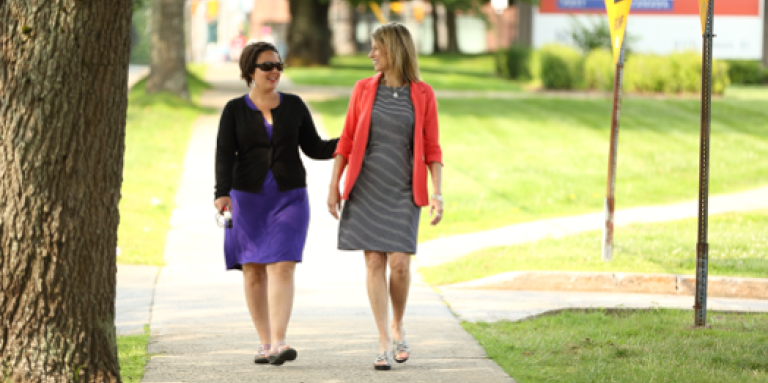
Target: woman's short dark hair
250, 56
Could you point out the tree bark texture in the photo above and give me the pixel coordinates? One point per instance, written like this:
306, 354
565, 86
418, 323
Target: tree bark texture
309, 34
63, 100
453, 38
167, 63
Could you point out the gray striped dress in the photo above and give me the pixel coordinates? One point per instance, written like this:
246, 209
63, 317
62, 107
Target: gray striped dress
380, 214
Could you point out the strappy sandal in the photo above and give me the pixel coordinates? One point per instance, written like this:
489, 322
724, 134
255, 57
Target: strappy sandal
261, 357
401, 347
385, 357
287, 354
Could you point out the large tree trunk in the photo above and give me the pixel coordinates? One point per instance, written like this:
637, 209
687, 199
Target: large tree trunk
167, 65
63, 99
309, 35
453, 38
435, 29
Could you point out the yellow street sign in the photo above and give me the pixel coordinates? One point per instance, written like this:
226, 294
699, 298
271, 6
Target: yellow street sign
618, 11
703, 10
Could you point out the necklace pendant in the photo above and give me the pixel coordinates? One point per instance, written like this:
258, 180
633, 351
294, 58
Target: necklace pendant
395, 94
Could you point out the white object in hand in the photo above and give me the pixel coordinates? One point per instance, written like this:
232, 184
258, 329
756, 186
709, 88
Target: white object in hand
227, 214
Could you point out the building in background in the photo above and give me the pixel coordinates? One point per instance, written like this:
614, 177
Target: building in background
662, 26
658, 26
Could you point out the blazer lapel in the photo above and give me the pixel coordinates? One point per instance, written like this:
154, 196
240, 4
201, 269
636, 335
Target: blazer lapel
364, 122
418, 99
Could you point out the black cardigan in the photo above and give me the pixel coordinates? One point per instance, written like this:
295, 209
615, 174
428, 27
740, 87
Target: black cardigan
244, 152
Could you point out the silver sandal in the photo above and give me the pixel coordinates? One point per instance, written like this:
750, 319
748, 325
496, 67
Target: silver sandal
385, 357
262, 356
401, 347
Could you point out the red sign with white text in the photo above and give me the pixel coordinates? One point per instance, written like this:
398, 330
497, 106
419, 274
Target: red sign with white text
666, 7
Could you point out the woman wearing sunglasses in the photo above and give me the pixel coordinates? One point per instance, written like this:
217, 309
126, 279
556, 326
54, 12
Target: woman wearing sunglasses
390, 138
261, 180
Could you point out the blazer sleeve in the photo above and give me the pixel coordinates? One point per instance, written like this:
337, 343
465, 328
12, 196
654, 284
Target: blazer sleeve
310, 142
432, 150
350, 124
226, 146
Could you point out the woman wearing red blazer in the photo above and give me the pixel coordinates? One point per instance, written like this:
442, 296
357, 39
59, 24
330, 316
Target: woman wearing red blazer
390, 138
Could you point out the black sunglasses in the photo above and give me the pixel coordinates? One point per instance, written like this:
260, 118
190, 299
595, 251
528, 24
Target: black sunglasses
267, 66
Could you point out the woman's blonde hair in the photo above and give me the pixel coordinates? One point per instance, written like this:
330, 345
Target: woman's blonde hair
395, 39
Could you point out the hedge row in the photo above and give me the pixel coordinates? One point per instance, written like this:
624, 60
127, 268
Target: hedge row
562, 67
747, 72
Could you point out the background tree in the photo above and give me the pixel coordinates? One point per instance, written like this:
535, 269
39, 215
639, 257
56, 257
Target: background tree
167, 63
63, 99
436, 48
309, 34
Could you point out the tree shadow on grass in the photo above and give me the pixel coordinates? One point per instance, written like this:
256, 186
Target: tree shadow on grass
138, 96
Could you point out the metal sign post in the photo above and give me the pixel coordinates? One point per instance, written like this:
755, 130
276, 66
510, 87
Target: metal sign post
702, 247
609, 200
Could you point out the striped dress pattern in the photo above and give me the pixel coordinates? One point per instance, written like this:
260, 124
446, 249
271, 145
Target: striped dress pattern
380, 214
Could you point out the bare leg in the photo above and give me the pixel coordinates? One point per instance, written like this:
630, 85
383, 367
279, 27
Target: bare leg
399, 285
281, 290
255, 284
376, 265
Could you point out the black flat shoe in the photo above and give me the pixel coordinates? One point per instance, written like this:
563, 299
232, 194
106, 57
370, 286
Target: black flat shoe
287, 354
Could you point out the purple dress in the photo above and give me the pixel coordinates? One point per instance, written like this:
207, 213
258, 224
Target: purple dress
269, 226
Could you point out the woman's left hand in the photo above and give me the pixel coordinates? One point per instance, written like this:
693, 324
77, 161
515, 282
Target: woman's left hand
435, 211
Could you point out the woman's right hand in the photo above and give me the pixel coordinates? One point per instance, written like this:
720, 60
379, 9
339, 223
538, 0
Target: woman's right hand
334, 201
222, 202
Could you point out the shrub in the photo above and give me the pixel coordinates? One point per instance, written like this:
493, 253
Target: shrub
519, 62
500, 59
676, 73
599, 70
747, 72
514, 63
560, 67
720, 79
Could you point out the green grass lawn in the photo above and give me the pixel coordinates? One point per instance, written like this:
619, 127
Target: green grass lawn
747, 92
511, 161
157, 132
738, 247
132, 352
449, 72
658, 346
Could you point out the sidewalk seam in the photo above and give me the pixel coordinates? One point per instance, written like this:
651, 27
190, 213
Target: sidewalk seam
152, 302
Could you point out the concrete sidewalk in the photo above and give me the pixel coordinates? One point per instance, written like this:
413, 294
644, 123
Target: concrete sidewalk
201, 329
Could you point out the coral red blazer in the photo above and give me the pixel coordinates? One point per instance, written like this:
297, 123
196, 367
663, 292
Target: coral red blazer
354, 138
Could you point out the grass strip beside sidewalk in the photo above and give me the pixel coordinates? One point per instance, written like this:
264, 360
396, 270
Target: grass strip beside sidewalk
157, 133
521, 160
443, 72
738, 247
132, 353
656, 345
